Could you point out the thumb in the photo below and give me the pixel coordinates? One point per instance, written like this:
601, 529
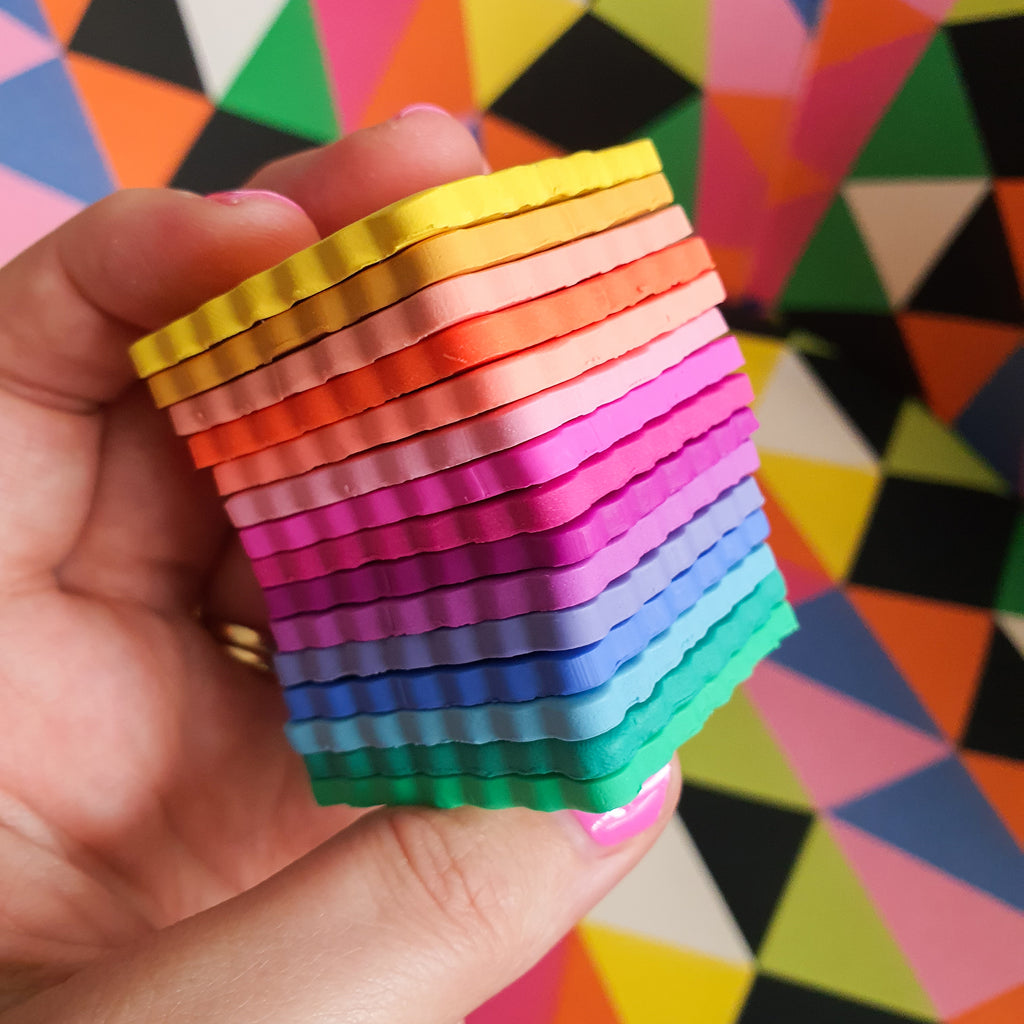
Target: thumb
411, 916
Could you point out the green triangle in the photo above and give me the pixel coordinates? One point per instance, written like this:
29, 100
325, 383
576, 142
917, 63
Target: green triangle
922, 447
676, 32
284, 83
983, 10
827, 934
1011, 587
676, 133
735, 752
835, 271
929, 130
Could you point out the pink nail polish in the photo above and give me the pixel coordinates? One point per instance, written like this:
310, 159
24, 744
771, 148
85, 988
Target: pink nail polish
614, 827
239, 196
415, 108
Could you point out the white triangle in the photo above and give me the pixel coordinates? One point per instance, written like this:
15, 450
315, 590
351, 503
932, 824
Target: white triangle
223, 35
798, 417
1013, 627
907, 224
670, 897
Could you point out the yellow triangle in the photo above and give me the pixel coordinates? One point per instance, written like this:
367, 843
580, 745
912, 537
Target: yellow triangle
504, 39
762, 354
652, 983
829, 505
736, 752
826, 933
924, 448
676, 32
979, 10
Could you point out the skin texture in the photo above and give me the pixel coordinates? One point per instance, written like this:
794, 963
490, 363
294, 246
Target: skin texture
160, 857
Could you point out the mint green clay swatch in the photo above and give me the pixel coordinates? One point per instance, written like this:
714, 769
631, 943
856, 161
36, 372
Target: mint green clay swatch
553, 792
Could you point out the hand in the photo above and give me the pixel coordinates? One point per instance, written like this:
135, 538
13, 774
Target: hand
160, 856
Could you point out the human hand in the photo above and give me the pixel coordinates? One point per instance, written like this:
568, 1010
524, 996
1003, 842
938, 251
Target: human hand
161, 858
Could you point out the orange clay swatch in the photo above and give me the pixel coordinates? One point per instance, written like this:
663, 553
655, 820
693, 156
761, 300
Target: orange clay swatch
437, 258
455, 350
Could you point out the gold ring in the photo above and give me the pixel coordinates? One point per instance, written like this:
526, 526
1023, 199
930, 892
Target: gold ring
243, 644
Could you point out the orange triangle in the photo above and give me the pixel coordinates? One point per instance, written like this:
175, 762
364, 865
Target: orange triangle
1007, 1008
507, 145
1010, 200
1002, 781
581, 996
64, 16
851, 29
955, 356
939, 648
733, 263
758, 122
797, 181
145, 126
428, 65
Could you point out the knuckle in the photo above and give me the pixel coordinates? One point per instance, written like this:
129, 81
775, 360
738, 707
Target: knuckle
449, 879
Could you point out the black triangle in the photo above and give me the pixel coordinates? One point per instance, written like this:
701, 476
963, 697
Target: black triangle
989, 54
229, 150
872, 406
997, 719
936, 540
748, 847
773, 1001
975, 276
146, 36
869, 342
591, 88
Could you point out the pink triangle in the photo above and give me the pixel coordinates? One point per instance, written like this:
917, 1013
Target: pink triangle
844, 102
358, 40
802, 584
29, 210
936, 9
731, 188
964, 945
839, 747
756, 47
21, 48
533, 998
788, 230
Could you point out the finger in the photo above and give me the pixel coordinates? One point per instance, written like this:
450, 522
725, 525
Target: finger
412, 916
373, 167
71, 306
74, 301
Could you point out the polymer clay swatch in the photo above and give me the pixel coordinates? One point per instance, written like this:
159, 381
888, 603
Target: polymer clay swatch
490, 455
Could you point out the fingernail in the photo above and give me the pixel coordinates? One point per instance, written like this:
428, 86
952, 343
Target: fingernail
614, 827
239, 196
415, 108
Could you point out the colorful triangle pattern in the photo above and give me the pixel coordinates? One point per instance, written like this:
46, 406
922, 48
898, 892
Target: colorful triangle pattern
867, 788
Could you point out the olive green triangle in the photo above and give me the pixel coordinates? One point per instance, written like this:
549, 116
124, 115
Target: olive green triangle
676, 32
284, 83
735, 752
826, 933
983, 10
835, 271
921, 447
912, 141
676, 133
1011, 586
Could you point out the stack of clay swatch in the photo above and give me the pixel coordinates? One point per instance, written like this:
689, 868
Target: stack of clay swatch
489, 454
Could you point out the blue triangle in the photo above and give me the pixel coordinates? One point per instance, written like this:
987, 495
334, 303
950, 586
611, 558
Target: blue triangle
44, 135
835, 648
939, 815
809, 11
27, 11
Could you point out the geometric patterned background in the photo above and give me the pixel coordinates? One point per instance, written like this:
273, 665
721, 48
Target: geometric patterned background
849, 842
